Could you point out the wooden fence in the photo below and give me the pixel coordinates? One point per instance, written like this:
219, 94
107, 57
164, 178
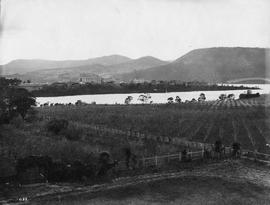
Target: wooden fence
247, 154
160, 160
257, 156
178, 141
162, 139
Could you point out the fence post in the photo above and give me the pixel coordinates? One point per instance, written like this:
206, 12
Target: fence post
180, 156
156, 160
138, 135
202, 153
255, 154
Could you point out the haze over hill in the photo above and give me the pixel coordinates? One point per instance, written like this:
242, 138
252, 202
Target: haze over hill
109, 66
210, 65
22, 66
219, 64
62, 74
136, 64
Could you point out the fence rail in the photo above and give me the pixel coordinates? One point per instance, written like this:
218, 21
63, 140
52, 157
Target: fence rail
159, 160
162, 159
178, 141
162, 139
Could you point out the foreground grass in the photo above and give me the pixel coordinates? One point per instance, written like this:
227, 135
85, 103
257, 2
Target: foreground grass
34, 139
228, 182
190, 190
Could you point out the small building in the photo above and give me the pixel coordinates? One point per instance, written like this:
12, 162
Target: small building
31, 86
138, 80
108, 79
90, 78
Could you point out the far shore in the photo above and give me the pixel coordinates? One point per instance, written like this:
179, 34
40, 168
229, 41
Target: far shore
58, 92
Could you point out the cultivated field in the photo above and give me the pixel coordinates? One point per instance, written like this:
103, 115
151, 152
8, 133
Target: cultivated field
244, 121
96, 128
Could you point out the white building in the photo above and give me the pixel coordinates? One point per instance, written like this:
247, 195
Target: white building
90, 78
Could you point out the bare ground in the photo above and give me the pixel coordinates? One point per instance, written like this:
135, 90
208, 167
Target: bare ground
226, 182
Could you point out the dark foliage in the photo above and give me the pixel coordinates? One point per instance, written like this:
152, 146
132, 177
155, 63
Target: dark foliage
14, 100
56, 125
218, 146
20, 101
105, 164
236, 149
65, 89
31, 115
127, 152
41, 164
72, 133
52, 171
248, 95
74, 171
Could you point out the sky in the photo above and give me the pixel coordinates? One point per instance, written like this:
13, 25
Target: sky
166, 29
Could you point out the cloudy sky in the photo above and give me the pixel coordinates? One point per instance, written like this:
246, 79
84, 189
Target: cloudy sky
167, 29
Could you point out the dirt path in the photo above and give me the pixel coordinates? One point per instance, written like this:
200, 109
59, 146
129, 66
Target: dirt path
232, 171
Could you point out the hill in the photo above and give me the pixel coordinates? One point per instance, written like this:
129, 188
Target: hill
210, 65
22, 66
62, 74
108, 67
213, 65
136, 64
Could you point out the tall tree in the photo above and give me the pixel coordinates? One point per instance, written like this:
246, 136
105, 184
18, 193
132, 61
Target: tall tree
144, 98
128, 100
14, 100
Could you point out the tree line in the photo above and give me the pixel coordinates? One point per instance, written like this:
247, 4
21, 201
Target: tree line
65, 89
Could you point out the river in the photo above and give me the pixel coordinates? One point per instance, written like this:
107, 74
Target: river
155, 97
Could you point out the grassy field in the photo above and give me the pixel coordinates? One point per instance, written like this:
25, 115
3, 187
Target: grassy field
245, 121
227, 182
189, 190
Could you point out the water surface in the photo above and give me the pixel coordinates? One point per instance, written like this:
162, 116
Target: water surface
155, 97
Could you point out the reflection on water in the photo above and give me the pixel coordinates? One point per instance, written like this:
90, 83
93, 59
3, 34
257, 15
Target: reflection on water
155, 97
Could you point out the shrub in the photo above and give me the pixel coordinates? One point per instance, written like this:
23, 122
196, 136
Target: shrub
72, 133
32, 116
56, 125
17, 121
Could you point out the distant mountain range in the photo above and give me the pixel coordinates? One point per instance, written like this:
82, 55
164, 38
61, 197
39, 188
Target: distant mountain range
70, 70
22, 66
219, 64
210, 65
